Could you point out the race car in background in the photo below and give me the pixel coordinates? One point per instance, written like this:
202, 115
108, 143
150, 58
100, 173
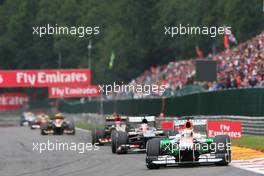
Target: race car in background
114, 122
140, 130
41, 118
188, 147
58, 126
27, 118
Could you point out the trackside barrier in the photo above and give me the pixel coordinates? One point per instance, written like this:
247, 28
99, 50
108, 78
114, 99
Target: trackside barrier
242, 102
250, 125
246, 105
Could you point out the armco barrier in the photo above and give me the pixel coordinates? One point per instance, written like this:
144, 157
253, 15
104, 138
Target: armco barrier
242, 102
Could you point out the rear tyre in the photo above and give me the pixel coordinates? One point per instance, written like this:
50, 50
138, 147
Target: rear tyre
153, 150
98, 133
72, 127
94, 140
43, 132
113, 141
223, 152
43, 128
73, 131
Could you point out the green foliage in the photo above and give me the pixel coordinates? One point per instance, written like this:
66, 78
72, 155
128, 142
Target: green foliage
88, 126
134, 29
250, 141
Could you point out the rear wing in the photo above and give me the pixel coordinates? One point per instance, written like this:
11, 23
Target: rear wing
174, 122
195, 122
139, 119
112, 118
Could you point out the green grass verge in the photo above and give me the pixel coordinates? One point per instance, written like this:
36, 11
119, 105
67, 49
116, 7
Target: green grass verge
250, 141
88, 126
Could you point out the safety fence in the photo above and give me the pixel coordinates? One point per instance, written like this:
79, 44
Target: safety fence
250, 125
242, 102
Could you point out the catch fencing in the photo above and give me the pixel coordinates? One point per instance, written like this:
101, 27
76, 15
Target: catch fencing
245, 105
242, 102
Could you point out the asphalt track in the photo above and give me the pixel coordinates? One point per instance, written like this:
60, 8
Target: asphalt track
17, 158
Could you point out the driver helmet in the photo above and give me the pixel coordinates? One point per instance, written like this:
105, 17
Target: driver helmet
145, 121
58, 116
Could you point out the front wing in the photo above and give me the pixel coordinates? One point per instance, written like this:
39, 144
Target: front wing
171, 160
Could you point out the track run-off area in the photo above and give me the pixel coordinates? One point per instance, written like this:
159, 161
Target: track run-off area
19, 158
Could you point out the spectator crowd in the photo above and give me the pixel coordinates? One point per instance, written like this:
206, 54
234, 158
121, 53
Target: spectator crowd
239, 67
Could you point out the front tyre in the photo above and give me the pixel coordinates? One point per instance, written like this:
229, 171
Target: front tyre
223, 152
153, 150
121, 139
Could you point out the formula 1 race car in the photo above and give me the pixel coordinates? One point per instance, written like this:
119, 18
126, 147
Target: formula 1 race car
140, 130
103, 135
41, 118
188, 147
27, 118
58, 125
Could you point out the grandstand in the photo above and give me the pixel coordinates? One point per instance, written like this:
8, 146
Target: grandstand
239, 67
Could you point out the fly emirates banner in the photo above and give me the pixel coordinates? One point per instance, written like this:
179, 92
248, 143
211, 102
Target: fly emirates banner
45, 78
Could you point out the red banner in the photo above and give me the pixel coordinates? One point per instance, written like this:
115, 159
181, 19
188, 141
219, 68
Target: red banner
80, 91
232, 129
12, 100
167, 125
45, 78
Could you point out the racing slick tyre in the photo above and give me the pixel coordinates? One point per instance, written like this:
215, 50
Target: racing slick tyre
121, 139
73, 132
42, 132
224, 151
98, 133
113, 141
42, 129
153, 150
72, 126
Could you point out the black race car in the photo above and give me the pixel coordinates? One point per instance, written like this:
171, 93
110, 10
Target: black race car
112, 123
58, 125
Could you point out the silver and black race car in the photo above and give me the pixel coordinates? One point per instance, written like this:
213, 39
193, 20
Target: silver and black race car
140, 130
58, 125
